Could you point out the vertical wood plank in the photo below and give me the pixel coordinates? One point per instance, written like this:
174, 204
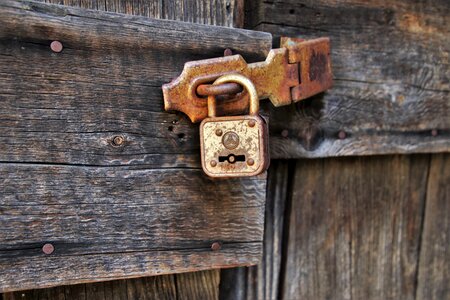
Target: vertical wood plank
354, 228
198, 285
262, 281
434, 262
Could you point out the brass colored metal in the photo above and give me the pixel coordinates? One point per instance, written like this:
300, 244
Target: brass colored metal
230, 140
294, 72
273, 79
242, 149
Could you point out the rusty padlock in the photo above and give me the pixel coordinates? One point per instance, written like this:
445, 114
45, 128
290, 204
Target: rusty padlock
234, 146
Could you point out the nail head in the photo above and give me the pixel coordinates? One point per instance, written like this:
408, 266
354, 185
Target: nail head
219, 132
434, 132
252, 123
213, 163
216, 246
48, 248
227, 52
56, 46
250, 161
285, 133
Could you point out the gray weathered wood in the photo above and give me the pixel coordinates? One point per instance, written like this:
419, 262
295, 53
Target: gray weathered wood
262, 281
434, 261
117, 222
391, 71
196, 285
67, 107
355, 226
111, 212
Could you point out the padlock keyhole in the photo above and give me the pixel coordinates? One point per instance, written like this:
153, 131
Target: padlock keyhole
231, 158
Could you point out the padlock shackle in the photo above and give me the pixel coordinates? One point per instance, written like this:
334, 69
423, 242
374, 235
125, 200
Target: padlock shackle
246, 83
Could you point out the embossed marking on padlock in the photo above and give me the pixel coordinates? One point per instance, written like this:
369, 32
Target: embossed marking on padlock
234, 146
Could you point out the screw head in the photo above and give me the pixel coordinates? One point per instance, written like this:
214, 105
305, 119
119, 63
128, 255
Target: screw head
213, 163
216, 246
118, 140
342, 135
231, 159
250, 161
48, 248
219, 132
252, 123
56, 46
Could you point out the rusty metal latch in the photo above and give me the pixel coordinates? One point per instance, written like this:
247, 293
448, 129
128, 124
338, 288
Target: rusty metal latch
296, 71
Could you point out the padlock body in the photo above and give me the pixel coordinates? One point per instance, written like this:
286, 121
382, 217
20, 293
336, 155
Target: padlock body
234, 146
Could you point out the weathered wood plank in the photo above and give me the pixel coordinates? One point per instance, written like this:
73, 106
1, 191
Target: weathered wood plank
121, 222
196, 285
262, 281
108, 209
434, 262
391, 71
355, 226
218, 12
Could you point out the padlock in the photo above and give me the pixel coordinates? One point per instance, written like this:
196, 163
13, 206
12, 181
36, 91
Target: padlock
234, 146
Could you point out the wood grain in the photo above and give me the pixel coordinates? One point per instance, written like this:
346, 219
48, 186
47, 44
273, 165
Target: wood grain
434, 261
263, 281
67, 107
196, 285
111, 211
391, 72
120, 222
355, 227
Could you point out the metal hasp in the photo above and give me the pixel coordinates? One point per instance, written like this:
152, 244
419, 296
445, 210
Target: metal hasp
296, 71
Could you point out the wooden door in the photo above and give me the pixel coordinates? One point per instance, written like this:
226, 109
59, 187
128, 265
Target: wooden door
335, 228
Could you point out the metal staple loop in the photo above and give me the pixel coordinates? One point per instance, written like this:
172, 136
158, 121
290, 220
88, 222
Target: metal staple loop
219, 89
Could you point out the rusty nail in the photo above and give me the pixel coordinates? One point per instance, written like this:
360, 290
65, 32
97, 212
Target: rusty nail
219, 132
56, 46
216, 246
285, 133
250, 161
118, 140
48, 248
434, 132
213, 163
227, 52
342, 135
251, 123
